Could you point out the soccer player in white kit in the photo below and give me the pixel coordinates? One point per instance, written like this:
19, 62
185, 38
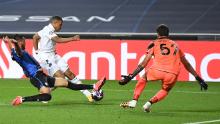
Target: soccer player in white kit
44, 42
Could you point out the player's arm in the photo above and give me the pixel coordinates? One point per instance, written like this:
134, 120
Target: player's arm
17, 48
190, 69
140, 67
8, 41
36, 39
11, 43
65, 40
188, 66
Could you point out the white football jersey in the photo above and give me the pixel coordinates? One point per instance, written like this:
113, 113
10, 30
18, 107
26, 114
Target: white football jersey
45, 43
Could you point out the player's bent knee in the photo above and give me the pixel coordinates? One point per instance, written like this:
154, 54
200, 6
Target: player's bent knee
59, 74
60, 82
69, 74
166, 88
44, 90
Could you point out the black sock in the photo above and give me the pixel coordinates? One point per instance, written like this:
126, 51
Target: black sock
39, 97
79, 86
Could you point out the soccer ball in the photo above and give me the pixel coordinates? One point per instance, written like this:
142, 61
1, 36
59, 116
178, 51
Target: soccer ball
97, 95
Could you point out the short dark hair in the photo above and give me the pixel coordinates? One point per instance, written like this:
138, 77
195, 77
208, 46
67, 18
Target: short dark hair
18, 37
56, 18
163, 30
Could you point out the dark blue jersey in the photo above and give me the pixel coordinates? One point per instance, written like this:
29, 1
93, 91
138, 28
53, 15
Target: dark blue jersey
27, 62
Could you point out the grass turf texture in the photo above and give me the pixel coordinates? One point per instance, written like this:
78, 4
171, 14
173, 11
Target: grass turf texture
185, 103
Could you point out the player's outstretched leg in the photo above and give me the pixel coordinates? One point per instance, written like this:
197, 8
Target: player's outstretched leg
137, 92
139, 88
129, 104
147, 106
158, 97
36, 98
17, 101
85, 92
97, 86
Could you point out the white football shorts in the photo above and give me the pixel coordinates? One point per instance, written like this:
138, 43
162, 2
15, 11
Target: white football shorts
52, 62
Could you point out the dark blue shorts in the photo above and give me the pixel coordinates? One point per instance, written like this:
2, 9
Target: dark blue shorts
41, 79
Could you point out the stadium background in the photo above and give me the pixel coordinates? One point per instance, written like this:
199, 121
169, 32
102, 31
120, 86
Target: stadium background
119, 30
110, 27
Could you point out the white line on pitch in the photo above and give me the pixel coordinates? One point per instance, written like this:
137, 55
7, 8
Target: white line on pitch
3, 104
204, 122
194, 92
131, 90
177, 91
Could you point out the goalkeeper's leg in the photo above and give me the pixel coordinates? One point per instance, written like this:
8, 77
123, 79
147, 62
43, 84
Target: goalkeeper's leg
139, 88
158, 97
137, 92
167, 84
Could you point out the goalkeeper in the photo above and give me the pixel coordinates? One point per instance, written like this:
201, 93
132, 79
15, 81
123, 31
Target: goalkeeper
39, 79
165, 67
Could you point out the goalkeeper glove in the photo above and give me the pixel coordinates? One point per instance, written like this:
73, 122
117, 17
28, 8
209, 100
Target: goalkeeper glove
202, 83
125, 79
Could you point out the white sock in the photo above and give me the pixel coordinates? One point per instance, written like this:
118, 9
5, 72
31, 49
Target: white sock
147, 105
132, 103
77, 81
86, 92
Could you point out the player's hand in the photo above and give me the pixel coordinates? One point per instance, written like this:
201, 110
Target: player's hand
36, 52
202, 83
5, 39
14, 41
125, 79
76, 38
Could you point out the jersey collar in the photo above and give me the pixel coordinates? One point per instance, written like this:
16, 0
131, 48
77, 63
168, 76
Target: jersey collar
51, 27
162, 37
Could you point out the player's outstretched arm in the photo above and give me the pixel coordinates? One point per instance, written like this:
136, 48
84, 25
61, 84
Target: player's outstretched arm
65, 40
8, 41
17, 48
188, 66
36, 39
10, 44
126, 78
190, 69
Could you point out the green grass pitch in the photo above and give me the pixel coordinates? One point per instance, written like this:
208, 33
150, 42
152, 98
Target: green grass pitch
185, 103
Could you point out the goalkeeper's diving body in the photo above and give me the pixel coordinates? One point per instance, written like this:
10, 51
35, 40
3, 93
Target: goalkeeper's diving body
166, 67
38, 78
